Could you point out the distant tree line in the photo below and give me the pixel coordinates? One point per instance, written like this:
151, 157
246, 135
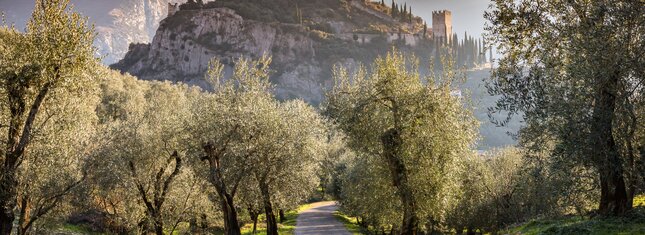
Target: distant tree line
467, 52
401, 13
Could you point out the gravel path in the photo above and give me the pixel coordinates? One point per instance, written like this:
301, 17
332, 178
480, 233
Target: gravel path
320, 220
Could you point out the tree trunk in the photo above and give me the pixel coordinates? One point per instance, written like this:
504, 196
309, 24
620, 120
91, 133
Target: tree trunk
204, 223
254, 217
158, 225
231, 225
24, 223
282, 217
613, 192
7, 201
272, 225
392, 142
192, 225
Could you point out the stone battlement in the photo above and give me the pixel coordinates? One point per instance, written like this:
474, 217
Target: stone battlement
442, 25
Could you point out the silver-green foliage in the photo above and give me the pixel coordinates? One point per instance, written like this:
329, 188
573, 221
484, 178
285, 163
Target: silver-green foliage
436, 131
48, 126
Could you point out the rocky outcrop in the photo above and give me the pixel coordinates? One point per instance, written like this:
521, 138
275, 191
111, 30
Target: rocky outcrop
117, 22
302, 57
186, 42
130, 21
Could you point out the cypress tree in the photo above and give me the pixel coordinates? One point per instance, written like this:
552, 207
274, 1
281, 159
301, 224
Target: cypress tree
476, 51
483, 50
405, 9
425, 29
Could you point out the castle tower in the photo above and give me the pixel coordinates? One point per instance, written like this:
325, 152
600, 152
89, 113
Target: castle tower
172, 8
442, 25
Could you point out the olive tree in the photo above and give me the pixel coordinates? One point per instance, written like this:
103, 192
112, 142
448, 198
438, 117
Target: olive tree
294, 139
335, 158
145, 160
245, 132
54, 55
413, 125
227, 124
574, 70
54, 166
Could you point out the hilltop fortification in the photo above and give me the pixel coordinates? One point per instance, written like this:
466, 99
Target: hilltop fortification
442, 25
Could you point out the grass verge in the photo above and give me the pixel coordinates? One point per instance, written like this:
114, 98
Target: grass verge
287, 227
639, 200
350, 223
633, 224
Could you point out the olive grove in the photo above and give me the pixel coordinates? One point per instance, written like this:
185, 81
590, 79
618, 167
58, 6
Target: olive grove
87, 148
574, 69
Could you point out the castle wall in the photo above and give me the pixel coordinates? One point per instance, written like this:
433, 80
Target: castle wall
442, 25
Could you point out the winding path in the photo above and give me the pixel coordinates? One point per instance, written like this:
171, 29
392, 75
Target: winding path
319, 219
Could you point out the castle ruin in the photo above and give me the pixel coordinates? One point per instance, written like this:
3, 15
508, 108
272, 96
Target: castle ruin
442, 25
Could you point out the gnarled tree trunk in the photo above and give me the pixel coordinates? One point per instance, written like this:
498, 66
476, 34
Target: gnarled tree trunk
613, 192
282, 217
161, 188
7, 202
392, 142
18, 138
231, 224
272, 224
254, 214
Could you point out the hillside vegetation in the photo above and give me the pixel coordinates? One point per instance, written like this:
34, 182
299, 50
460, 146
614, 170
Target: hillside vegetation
320, 14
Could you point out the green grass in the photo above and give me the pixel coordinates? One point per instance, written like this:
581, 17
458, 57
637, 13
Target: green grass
77, 229
287, 227
634, 223
351, 223
639, 200
582, 225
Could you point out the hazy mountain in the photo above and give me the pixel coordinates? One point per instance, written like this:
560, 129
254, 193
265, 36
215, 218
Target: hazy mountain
118, 23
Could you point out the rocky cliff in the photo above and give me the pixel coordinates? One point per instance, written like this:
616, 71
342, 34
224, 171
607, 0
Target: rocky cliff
118, 22
304, 49
125, 22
